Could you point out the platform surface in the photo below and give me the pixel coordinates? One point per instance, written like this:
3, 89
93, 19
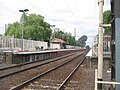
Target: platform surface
89, 53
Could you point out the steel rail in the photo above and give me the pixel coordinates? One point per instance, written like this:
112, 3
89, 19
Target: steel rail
15, 72
61, 87
18, 87
26, 63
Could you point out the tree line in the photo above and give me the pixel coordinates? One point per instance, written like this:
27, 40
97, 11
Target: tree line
35, 28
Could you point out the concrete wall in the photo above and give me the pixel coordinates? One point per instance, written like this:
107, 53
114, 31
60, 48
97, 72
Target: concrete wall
54, 46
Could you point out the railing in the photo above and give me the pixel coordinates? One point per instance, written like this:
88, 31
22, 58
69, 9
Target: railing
15, 43
106, 46
11, 43
103, 82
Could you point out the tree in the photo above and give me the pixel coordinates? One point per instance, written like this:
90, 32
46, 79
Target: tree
1, 35
83, 40
14, 29
87, 47
67, 37
106, 20
35, 28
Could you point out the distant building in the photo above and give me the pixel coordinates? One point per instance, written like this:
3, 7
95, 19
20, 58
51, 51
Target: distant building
59, 41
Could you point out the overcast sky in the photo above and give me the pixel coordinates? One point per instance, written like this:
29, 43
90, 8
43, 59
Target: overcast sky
65, 14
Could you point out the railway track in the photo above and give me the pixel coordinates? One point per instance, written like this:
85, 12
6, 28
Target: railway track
54, 78
24, 66
10, 80
82, 79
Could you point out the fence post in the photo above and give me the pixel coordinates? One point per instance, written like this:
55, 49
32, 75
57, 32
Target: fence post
95, 79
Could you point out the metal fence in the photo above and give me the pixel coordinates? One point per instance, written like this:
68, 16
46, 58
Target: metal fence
106, 46
15, 44
11, 43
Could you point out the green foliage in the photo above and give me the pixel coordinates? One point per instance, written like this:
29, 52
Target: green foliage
106, 20
35, 28
83, 40
14, 29
67, 37
87, 47
1, 35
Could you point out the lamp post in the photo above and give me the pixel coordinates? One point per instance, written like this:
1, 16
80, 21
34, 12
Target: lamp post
52, 37
53, 30
23, 11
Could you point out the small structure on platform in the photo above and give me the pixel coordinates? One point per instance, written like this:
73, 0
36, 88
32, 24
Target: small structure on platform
61, 42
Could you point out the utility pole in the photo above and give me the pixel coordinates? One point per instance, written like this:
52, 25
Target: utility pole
53, 31
6, 26
75, 32
100, 44
75, 36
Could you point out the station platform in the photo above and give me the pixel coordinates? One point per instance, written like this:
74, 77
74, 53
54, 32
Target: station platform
89, 54
28, 56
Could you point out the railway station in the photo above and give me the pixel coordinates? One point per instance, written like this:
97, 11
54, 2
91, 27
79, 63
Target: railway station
47, 58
